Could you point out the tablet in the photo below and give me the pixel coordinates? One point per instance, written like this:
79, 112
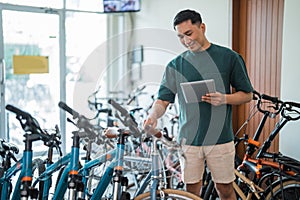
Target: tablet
193, 91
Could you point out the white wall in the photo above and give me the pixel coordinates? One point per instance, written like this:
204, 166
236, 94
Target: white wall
153, 28
290, 81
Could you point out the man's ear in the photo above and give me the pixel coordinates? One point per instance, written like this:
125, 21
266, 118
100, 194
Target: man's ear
202, 26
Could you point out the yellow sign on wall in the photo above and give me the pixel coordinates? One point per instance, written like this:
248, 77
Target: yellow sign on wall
30, 64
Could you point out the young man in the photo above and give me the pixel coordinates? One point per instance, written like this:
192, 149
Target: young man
205, 126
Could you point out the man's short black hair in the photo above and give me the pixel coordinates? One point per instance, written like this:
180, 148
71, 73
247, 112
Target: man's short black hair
185, 15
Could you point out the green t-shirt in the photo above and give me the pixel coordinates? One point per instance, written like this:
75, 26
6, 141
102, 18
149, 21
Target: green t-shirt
201, 123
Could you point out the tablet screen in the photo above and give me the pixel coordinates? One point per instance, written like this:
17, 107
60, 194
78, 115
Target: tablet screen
193, 91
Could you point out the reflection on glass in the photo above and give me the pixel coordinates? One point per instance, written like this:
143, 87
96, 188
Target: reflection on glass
86, 52
31, 34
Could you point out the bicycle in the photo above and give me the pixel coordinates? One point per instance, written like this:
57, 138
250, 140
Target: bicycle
78, 182
33, 132
157, 189
7, 152
117, 165
267, 171
280, 174
29, 124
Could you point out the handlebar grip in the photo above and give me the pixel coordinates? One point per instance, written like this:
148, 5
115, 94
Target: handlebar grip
104, 110
17, 111
31, 124
152, 131
117, 106
269, 98
65, 107
294, 104
11, 147
255, 95
142, 88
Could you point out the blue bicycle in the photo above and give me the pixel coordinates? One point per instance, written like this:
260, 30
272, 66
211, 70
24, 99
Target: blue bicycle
33, 132
155, 176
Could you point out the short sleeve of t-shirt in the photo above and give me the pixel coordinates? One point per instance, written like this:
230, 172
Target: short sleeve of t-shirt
239, 77
168, 90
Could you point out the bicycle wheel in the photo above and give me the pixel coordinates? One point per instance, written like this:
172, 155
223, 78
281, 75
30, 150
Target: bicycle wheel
290, 189
170, 194
38, 168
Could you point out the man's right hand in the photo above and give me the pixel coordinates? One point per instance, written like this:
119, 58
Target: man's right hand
150, 121
158, 109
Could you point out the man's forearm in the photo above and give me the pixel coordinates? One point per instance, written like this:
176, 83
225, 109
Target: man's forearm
238, 98
158, 109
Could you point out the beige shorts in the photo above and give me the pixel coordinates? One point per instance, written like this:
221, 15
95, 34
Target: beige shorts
219, 159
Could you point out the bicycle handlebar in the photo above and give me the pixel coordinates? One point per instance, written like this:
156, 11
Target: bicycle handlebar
274, 100
136, 93
66, 108
30, 124
117, 106
128, 120
288, 108
5, 146
82, 123
17, 111
278, 104
165, 140
292, 104
149, 130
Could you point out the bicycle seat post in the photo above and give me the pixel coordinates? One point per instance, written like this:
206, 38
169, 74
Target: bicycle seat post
155, 167
73, 173
25, 190
118, 176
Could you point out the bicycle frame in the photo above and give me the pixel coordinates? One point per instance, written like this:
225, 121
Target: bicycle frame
254, 189
256, 164
109, 156
47, 174
265, 169
33, 132
23, 184
6, 179
70, 171
116, 156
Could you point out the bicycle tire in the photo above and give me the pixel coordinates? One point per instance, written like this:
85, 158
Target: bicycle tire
210, 192
38, 164
290, 190
170, 194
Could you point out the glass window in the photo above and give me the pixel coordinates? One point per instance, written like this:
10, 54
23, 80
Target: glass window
85, 55
31, 34
90, 5
37, 3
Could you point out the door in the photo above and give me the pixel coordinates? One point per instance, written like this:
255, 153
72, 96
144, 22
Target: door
29, 33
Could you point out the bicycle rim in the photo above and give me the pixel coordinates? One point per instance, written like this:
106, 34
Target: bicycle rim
290, 189
170, 194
